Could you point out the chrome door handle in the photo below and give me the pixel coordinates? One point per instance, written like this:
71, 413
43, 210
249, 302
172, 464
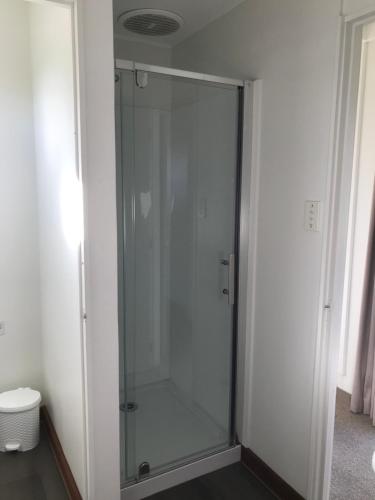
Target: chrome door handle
230, 262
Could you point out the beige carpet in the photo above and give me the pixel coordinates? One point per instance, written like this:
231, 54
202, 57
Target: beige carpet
354, 444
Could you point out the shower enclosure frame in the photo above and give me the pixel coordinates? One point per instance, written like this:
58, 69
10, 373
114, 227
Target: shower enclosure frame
245, 224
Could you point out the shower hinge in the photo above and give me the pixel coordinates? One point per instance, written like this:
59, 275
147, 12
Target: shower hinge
143, 470
141, 79
130, 407
230, 291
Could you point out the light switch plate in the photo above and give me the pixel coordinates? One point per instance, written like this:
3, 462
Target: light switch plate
312, 215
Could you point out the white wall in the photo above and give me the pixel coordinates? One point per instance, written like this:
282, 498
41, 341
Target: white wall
97, 103
292, 46
148, 53
20, 348
362, 210
355, 7
59, 214
39, 261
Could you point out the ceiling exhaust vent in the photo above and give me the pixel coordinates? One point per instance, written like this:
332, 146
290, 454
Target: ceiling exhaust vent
151, 22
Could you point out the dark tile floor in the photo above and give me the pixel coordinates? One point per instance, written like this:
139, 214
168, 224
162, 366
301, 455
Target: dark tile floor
231, 483
31, 475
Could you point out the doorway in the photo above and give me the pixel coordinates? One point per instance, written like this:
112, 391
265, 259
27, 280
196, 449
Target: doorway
353, 475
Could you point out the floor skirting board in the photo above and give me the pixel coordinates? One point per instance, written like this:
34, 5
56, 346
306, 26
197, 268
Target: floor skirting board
280, 488
58, 453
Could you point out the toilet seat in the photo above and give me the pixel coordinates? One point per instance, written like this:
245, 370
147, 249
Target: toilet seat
18, 400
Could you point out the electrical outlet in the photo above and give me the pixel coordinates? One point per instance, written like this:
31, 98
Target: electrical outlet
2, 328
312, 215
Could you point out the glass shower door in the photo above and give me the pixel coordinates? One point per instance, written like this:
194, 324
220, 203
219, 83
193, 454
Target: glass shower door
177, 213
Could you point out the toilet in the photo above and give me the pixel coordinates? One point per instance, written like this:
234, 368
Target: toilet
19, 419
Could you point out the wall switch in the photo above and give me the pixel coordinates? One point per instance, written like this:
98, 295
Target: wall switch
312, 215
2, 328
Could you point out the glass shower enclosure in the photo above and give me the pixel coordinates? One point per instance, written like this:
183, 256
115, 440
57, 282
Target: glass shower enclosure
178, 178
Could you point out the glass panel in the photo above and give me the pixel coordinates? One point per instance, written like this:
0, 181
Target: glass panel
126, 282
179, 162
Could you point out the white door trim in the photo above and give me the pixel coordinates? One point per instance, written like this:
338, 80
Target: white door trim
248, 253
334, 253
96, 118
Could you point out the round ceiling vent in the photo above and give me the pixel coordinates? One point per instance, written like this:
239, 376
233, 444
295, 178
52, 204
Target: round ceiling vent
151, 22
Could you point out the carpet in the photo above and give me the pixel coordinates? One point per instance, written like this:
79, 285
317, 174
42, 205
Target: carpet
354, 444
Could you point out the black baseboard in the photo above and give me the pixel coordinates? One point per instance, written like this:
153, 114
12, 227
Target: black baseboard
58, 452
276, 484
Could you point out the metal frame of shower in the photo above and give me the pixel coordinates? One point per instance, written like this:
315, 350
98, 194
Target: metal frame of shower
162, 70
241, 232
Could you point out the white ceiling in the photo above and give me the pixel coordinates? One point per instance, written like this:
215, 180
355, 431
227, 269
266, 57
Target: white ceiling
195, 13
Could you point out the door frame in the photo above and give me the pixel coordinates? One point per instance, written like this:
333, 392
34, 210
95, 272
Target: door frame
247, 195
93, 22
341, 177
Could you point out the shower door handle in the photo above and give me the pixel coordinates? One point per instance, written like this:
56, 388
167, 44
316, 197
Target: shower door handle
230, 262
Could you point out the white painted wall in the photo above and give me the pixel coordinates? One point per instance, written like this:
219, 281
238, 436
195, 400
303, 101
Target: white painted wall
59, 217
354, 7
39, 292
292, 47
148, 53
95, 21
20, 348
361, 210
